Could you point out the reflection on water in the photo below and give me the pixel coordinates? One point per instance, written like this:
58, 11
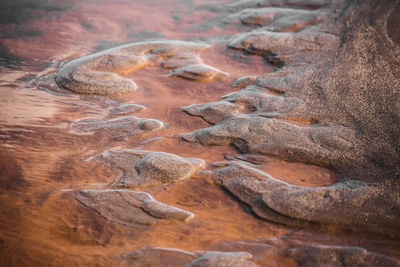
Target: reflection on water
42, 158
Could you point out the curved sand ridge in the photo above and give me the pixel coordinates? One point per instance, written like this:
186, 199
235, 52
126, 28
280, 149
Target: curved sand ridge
102, 73
141, 168
343, 79
130, 207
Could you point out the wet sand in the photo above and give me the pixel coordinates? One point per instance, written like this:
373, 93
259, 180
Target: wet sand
43, 160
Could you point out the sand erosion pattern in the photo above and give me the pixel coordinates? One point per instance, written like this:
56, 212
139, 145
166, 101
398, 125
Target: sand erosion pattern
331, 101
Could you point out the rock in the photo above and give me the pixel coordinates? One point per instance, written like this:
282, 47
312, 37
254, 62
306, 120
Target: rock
149, 168
130, 207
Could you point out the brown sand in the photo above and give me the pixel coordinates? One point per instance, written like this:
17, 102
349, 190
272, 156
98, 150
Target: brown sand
42, 161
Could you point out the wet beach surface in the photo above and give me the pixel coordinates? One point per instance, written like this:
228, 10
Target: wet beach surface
143, 178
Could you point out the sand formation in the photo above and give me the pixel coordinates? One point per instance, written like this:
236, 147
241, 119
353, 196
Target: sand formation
102, 73
156, 256
304, 254
120, 126
332, 101
342, 75
130, 207
143, 168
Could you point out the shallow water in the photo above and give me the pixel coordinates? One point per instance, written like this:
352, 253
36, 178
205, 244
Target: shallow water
42, 159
